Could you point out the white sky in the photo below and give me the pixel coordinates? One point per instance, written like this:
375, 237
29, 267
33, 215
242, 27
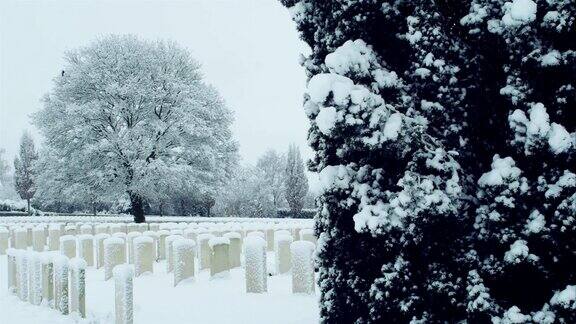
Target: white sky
249, 50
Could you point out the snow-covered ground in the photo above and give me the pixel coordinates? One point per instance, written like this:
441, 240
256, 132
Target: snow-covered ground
203, 301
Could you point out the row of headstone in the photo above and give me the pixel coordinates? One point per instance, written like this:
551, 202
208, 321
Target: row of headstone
217, 253
48, 279
39, 235
295, 256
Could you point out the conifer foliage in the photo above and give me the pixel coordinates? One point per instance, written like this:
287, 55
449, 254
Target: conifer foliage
444, 135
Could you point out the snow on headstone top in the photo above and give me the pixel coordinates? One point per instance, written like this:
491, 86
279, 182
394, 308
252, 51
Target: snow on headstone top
150, 233
282, 237
100, 236
218, 241
173, 237
113, 240
143, 239
282, 232
232, 235
184, 243
254, 241
204, 236
302, 247
65, 238
77, 264
123, 271
60, 261
85, 237
133, 234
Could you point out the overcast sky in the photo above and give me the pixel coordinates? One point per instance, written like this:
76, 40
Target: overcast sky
249, 50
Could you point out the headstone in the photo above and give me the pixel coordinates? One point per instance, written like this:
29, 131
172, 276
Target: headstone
86, 248
130, 244
124, 294
61, 284
235, 248
114, 254
47, 280
255, 264
162, 234
99, 247
170, 252
282, 253
184, 252
307, 234
302, 253
12, 273
4, 239
204, 250
38, 238
20, 238
78, 286
219, 257
54, 237
143, 255
68, 246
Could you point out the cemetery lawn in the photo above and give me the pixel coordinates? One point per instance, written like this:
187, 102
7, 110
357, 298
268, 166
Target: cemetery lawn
203, 300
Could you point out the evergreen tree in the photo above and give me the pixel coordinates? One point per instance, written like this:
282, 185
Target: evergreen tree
445, 144
295, 181
24, 173
4, 168
273, 166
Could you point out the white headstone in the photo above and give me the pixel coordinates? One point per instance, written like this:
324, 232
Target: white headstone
114, 254
86, 248
124, 294
38, 238
282, 253
184, 252
170, 252
204, 250
54, 237
255, 264
78, 286
68, 246
302, 267
143, 255
219, 257
99, 248
235, 250
61, 284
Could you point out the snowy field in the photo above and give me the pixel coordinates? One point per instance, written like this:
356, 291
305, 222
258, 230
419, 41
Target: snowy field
203, 300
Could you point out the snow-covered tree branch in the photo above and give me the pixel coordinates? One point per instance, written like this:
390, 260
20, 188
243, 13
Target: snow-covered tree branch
128, 116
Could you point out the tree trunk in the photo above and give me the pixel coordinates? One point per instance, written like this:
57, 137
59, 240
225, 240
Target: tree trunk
137, 210
28, 201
